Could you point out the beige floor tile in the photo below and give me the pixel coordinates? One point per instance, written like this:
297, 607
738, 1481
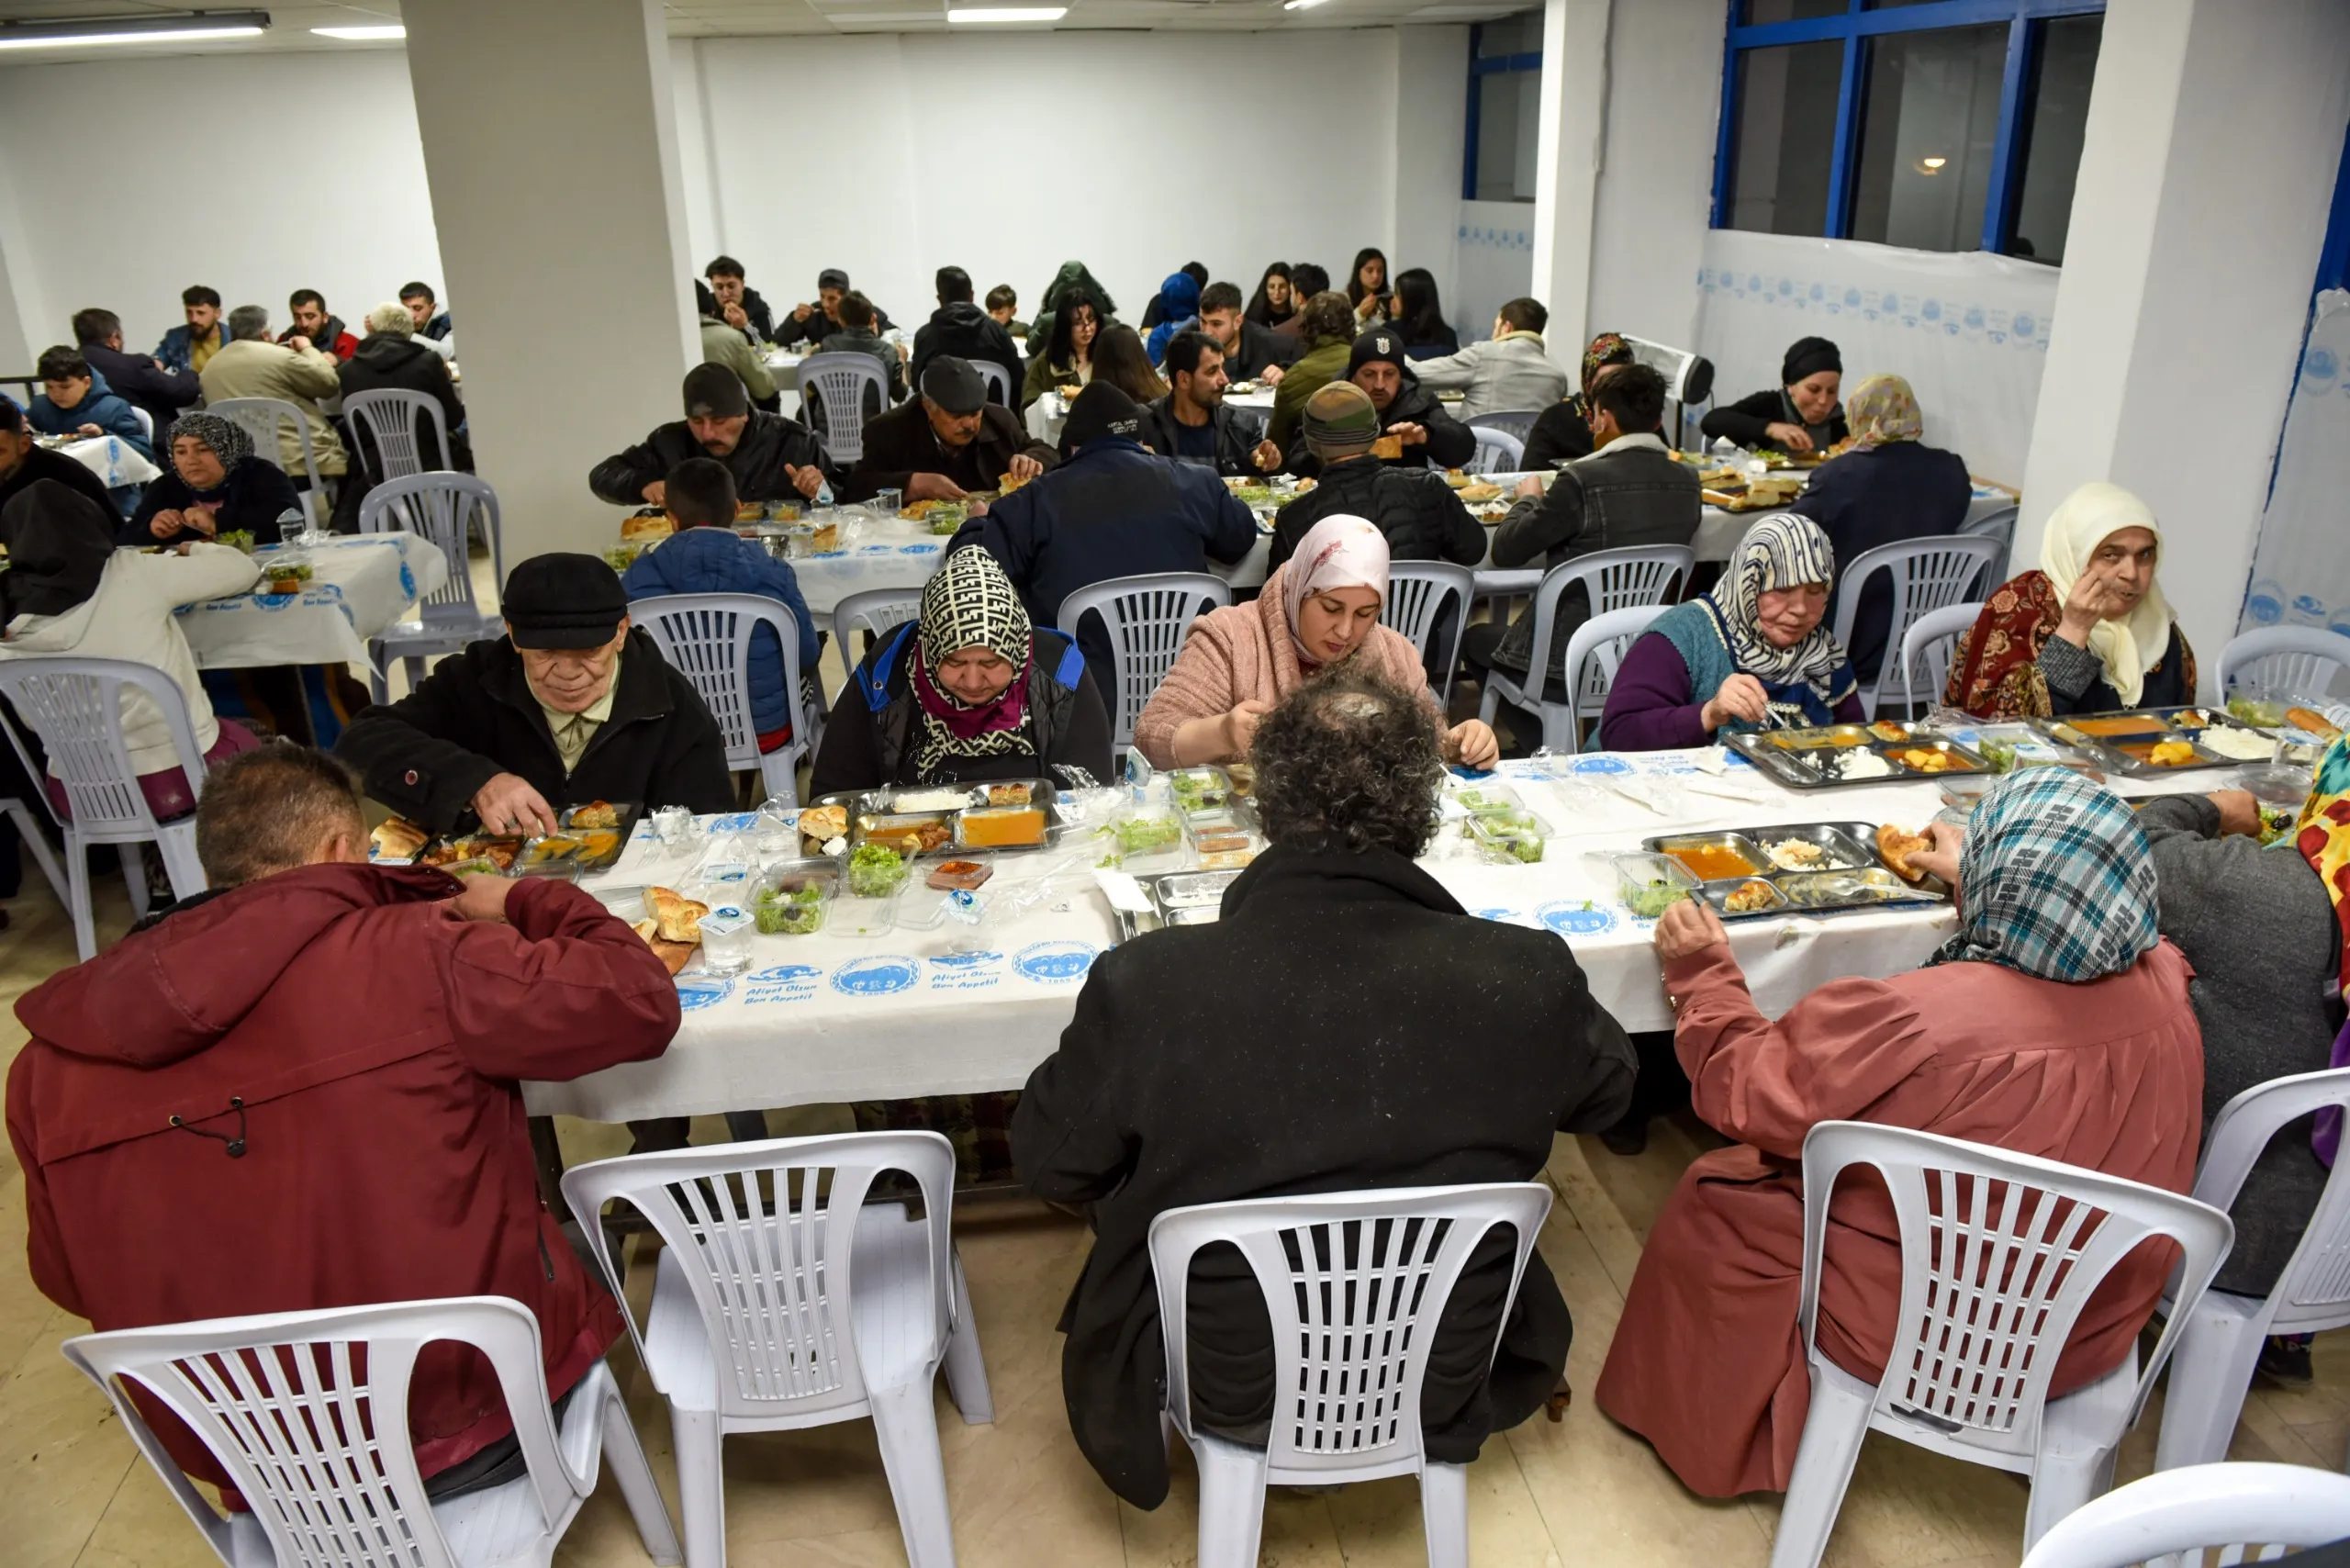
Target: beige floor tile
1380, 1523
63, 1455
144, 1527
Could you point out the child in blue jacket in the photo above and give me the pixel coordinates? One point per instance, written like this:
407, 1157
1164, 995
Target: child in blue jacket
75, 400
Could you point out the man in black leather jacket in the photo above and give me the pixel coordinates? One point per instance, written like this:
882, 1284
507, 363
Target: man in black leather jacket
772, 458
1414, 430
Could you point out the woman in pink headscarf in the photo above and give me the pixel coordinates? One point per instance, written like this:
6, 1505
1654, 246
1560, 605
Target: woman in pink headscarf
1319, 609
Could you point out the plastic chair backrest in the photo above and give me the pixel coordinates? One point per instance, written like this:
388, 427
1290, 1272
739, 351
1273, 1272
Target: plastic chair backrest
838, 413
1418, 592
1929, 646
1927, 575
385, 423
2000, 1253
2314, 1289
877, 611
2185, 1513
706, 637
1498, 451
308, 1413
1518, 422
261, 418
1999, 525
75, 706
146, 426
1355, 1285
1595, 653
443, 508
751, 1226
999, 380
1612, 579
2284, 661
1148, 617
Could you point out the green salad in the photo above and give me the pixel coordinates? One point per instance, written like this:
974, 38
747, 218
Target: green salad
2252, 711
790, 912
1255, 494
1652, 899
238, 539
1145, 835
875, 871
621, 558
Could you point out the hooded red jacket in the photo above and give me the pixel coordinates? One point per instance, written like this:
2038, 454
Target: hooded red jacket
375, 1038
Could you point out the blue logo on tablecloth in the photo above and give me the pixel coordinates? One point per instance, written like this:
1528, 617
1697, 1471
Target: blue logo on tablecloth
1601, 764
407, 579
1505, 916
965, 960
827, 555
1051, 963
918, 549
966, 971
873, 549
697, 991
883, 976
2023, 324
275, 601
1575, 919
782, 974
735, 821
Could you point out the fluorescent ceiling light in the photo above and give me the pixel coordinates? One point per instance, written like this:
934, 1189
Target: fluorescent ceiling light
1008, 14
364, 35
1300, 5
188, 28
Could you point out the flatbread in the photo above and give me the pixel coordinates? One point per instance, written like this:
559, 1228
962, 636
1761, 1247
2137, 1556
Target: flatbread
1895, 845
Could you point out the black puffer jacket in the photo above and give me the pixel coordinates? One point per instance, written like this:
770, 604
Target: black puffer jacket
769, 443
762, 320
1450, 443
1235, 444
1418, 512
966, 331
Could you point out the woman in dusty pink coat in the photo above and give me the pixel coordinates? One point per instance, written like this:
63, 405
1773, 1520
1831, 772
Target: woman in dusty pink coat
2055, 1022
1318, 610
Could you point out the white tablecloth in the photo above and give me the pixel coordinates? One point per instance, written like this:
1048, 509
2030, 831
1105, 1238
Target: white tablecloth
112, 459
826, 1018
784, 365
359, 585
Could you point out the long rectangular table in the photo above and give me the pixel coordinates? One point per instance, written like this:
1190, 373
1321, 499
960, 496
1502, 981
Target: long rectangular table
361, 586
827, 1018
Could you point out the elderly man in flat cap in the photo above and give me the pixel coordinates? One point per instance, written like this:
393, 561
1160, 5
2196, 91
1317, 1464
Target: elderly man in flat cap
772, 458
947, 443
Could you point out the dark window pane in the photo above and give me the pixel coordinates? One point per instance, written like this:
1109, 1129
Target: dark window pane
1785, 98
1521, 34
1509, 121
1927, 135
1754, 12
1889, 5
2055, 113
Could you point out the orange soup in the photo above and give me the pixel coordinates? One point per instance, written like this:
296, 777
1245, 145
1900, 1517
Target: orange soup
1713, 862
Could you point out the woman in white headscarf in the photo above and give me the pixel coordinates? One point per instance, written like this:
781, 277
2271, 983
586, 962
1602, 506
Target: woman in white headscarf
2089, 632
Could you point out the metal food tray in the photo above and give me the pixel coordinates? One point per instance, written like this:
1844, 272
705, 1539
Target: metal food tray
1784, 764
2108, 749
862, 803
1850, 839
1177, 898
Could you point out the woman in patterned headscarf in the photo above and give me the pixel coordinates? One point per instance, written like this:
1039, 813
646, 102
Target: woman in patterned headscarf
2053, 1024
214, 486
1563, 432
1751, 655
969, 691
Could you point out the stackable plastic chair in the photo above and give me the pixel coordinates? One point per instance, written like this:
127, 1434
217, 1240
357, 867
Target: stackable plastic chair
1418, 592
2000, 1253
2284, 661
877, 611
2247, 1513
146, 427
1594, 655
308, 1413
1927, 575
386, 423
1518, 422
75, 706
443, 508
1926, 650
781, 1302
261, 418
1355, 1285
999, 380
2221, 1336
837, 415
1148, 617
1999, 525
706, 637
1498, 451
1612, 579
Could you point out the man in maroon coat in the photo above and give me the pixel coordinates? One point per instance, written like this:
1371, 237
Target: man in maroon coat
299, 1091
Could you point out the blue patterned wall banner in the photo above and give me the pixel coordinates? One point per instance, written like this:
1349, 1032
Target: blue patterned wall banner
1496, 238
1954, 318
2301, 569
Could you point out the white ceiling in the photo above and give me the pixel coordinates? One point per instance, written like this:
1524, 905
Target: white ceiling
291, 23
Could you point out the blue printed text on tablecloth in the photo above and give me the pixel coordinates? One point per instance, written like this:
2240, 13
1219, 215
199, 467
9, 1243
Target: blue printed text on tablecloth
697, 991
781, 983
966, 971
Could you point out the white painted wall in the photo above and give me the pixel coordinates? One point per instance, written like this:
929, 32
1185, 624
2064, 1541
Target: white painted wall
1431, 67
1656, 176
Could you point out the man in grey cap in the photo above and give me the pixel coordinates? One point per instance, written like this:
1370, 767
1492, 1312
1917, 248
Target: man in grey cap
811, 324
947, 443
772, 458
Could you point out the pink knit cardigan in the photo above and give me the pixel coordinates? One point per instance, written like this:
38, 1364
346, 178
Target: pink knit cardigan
1245, 651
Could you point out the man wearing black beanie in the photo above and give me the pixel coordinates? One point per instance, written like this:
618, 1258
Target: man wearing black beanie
1110, 509
1414, 429
772, 458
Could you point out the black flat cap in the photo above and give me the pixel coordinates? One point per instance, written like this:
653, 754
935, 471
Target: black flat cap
832, 277
714, 392
564, 601
954, 386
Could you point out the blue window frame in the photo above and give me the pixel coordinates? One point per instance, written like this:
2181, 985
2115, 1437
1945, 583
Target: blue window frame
1512, 74
1987, 67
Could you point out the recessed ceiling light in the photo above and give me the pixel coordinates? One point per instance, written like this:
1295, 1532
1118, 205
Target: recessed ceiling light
364, 35
191, 27
1934, 162
1300, 5
1008, 14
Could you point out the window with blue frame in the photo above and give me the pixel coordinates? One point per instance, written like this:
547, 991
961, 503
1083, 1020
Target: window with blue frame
1937, 125
1505, 108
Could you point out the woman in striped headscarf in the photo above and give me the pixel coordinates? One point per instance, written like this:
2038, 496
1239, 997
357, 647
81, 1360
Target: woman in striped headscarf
1751, 655
2054, 1023
214, 486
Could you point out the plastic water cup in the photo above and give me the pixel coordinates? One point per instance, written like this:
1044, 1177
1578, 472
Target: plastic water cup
889, 503
675, 828
726, 939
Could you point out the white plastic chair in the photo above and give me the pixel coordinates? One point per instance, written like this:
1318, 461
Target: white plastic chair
1594, 655
1518, 422
767, 1315
837, 415
2000, 1253
1927, 575
36, 843
75, 706
2221, 1337
1418, 592
441, 508
146, 426
1999, 525
2231, 1507
261, 418
999, 380
1148, 617
2284, 661
706, 637
305, 1427
1355, 1285
1927, 649
1498, 451
388, 419
1612, 580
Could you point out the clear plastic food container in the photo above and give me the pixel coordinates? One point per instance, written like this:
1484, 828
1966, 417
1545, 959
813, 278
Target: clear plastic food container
1650, 884
795, 897
1508, 837
1145, 841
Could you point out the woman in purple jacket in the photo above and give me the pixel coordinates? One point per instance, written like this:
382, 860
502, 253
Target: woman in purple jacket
1750, 655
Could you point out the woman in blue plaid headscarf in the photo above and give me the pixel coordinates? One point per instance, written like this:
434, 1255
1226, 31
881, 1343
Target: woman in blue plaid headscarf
2055, 879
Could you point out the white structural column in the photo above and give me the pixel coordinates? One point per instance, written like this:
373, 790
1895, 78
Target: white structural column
551, 150
1568, 150
2208, 169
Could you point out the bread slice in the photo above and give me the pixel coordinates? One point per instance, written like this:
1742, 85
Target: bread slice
398, 839
1895, 844
675, 917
